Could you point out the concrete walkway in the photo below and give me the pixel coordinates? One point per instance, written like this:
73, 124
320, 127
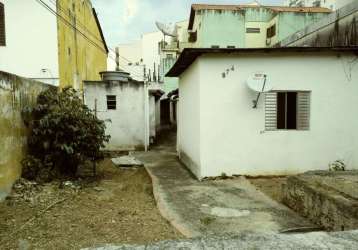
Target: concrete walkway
212, 207
317, 241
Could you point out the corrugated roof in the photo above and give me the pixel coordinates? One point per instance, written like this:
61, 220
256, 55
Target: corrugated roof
195, 7
189, 55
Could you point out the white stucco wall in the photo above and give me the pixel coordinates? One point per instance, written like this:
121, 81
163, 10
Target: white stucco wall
150, 53
143, 51
130, 56
189, 119
233, 139
31, 41
127, 126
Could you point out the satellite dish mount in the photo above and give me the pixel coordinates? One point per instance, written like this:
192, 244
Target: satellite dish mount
259, 94
258, 82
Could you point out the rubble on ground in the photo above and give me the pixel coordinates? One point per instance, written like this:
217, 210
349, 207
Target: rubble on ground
127, 161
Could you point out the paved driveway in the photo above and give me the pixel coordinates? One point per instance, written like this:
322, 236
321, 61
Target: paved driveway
212, 207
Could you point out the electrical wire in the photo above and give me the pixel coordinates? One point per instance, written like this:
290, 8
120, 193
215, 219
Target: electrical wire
88, 31
69, 24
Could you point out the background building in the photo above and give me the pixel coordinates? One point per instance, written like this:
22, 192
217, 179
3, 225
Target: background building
331, 4
339, 28
234, 26
141, 57
57, 42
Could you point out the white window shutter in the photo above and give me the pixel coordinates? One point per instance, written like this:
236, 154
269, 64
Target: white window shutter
303, 110
271, 111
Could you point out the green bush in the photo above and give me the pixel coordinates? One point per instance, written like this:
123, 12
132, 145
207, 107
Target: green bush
64, 133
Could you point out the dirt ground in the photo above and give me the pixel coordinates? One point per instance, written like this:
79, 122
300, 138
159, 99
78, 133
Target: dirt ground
271, 186
118, 207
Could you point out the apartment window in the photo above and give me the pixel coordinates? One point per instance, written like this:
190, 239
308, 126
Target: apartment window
287, 110
253, 30
2, 25
271, 32
316, 4
111, 102
193, 36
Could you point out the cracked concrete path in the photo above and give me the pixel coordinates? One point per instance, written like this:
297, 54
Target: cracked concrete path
310, 241
212, 207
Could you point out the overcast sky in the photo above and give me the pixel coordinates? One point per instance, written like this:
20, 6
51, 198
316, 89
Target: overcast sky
125, 20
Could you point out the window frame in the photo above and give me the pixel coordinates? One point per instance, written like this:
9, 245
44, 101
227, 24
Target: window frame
111, 103
303, 110
253, 30
286, 110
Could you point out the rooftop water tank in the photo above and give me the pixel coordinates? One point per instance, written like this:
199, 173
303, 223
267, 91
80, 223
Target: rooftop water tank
115, 76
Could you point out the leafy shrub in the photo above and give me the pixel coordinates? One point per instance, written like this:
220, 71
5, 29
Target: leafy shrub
64, 133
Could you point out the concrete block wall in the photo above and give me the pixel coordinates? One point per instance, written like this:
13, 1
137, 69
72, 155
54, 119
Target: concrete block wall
15, 94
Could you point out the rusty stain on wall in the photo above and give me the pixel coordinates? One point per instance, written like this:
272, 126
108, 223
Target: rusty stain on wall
15, 94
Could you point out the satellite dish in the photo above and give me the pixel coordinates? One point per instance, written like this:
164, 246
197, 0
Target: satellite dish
166, 29
259, 82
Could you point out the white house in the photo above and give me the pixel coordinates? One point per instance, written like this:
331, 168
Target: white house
129, 108
30, 47
307, 121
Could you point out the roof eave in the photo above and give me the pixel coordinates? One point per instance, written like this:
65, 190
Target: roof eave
191, 18
189, 55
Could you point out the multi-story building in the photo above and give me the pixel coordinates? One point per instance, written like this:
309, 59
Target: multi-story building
331, 4
58, 42
236, 26
339, 29
170, 49
141, 57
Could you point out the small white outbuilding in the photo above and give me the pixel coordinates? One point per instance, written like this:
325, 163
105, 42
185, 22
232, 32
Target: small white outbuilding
129, 107
306, 121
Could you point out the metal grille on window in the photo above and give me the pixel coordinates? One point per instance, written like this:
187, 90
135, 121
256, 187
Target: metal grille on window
271, 111
2, 25
303, 110
111, 102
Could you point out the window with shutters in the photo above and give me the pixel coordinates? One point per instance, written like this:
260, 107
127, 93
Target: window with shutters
111, 102
287, 110
2, 25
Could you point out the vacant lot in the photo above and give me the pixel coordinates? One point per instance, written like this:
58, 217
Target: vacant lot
118, 207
